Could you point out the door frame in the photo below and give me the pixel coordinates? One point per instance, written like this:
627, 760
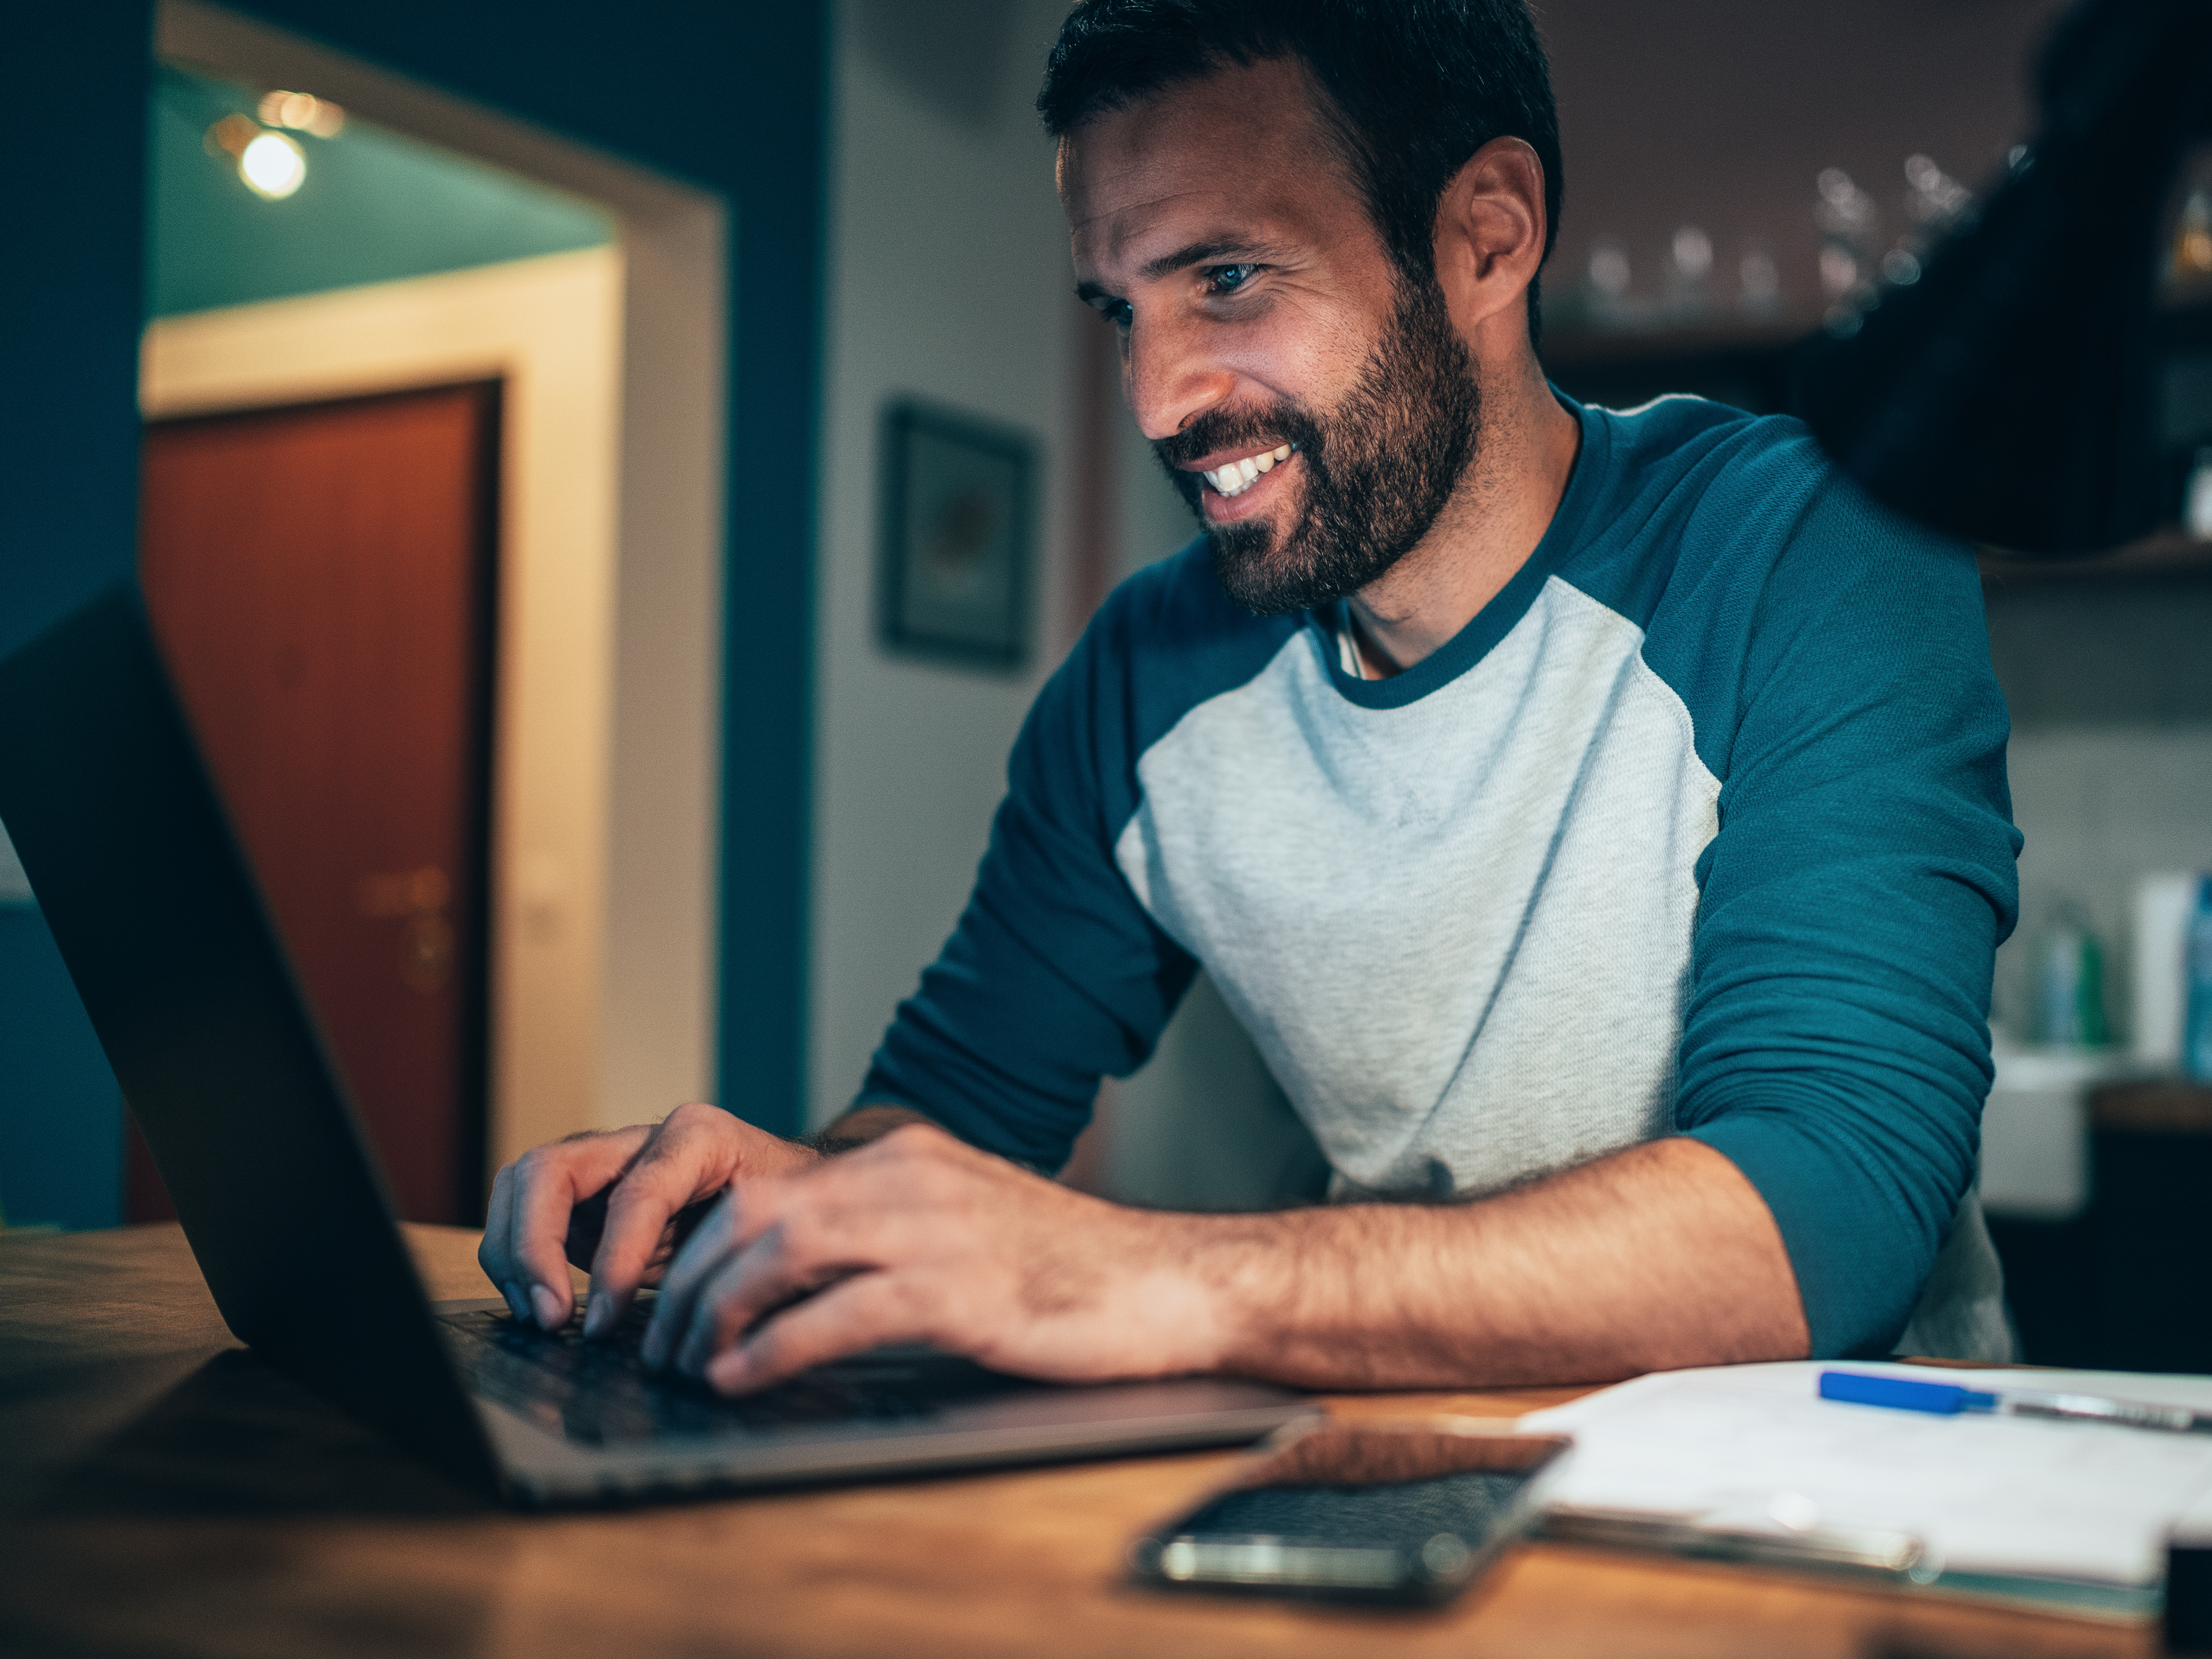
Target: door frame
617, 837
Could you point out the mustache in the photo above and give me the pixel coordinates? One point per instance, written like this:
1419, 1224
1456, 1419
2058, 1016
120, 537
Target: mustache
1239, 429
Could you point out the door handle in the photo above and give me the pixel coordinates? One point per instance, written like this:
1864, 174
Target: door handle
416, 899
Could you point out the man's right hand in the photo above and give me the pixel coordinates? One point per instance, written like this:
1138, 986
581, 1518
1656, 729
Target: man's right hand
614, 1201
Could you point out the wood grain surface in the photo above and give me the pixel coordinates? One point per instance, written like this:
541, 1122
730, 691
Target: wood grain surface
163, 1493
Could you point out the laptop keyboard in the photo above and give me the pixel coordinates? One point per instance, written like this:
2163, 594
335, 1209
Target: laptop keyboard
599, 1392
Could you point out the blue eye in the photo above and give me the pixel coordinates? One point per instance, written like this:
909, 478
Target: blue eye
1227, 279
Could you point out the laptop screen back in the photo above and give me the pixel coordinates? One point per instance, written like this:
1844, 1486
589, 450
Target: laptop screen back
163, 930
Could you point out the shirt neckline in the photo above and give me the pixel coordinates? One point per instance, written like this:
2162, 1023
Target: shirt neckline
1498, 618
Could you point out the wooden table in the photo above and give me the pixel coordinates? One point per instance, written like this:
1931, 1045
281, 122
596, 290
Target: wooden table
163, 1493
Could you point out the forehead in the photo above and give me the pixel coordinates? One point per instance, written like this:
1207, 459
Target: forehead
1243, 152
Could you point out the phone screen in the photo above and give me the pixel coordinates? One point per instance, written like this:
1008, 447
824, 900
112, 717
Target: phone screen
1377, 1511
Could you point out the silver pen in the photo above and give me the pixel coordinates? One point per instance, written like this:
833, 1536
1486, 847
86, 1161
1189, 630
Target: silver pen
1949, 1399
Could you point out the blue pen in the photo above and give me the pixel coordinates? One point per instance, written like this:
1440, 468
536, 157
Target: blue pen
1906, 1393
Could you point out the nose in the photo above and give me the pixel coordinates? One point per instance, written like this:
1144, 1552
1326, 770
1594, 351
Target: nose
1170, 377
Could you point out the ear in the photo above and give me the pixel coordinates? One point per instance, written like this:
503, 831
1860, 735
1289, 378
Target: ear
1490, 242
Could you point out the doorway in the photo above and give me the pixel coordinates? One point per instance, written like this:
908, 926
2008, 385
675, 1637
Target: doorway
321, 580
595, 884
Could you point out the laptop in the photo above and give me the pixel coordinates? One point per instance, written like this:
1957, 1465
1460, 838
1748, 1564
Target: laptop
158, 917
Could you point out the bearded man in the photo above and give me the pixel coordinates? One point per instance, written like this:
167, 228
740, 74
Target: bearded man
1597, 820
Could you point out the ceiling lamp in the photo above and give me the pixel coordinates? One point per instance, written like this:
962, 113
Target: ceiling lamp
273, 165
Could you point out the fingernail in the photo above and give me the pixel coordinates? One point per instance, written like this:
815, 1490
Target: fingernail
548, 1306
728, 1371
515, 1304
596, 1313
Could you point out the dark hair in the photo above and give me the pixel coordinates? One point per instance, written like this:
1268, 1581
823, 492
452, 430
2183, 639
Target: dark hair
1419, 86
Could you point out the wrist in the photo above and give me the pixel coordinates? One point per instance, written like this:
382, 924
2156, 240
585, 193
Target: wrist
1195, 1292
858, 1127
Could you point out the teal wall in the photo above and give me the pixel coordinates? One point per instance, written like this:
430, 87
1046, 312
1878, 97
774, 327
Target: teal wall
375, 207
70, 303
61, 1117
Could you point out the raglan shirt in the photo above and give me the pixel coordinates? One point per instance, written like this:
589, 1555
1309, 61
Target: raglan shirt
1699, 827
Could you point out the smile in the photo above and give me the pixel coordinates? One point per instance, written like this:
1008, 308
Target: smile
1235, 478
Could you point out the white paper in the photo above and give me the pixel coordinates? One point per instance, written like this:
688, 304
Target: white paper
2019, 1496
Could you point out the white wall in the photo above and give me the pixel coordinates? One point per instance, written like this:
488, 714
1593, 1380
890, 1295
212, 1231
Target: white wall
949, 278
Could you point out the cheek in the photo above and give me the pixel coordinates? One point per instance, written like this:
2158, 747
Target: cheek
1301, 351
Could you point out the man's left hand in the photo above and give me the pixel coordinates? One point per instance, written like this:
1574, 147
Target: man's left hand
918, 1238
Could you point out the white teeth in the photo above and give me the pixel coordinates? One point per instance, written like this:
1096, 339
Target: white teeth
1238, 477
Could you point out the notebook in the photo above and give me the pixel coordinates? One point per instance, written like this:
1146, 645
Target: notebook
2060, 1515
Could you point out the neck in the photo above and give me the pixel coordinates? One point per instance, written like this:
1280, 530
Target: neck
1523, 457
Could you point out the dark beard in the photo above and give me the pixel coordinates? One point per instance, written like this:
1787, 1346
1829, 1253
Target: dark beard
1379, 467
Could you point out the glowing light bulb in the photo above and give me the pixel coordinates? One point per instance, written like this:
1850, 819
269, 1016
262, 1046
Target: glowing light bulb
303, 111
1694, 251
272, 166
1608, 269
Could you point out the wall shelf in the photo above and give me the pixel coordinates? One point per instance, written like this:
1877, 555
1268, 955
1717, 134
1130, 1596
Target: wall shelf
1574, 345
2169, 553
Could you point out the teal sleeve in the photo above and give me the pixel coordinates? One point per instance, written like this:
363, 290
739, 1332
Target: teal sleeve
1835, 1042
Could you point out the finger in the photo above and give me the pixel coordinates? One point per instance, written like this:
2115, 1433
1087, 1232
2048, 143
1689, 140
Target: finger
836, 1218
547, 1183
707, 1330
816, 1242
864, 1311
694, 1263
694, 1156
738, 1225
493, 1255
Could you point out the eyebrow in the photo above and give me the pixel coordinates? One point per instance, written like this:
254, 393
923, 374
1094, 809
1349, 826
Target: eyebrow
1206, 251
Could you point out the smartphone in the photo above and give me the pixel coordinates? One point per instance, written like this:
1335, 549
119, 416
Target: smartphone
1407, 1511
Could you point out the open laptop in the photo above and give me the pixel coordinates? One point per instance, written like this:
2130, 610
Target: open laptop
141, 881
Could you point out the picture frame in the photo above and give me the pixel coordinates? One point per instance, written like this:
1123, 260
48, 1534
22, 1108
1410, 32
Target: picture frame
956, 527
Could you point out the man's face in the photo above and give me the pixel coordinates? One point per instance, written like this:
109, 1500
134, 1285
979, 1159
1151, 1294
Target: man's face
1314, 408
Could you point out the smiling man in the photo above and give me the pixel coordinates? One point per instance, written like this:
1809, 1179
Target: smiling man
1597, 820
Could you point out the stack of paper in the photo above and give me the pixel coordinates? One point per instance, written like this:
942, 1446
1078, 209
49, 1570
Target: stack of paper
2004, 1503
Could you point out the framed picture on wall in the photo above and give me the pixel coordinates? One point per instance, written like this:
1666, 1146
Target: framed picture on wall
957, 523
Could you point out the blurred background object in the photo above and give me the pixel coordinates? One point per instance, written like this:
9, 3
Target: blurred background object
2002, 382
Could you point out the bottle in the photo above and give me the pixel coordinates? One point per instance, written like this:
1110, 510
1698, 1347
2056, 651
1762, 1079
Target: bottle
2073, 986
2196, 505
2197, 1031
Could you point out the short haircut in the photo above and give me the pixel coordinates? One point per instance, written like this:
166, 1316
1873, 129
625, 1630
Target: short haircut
1419, 86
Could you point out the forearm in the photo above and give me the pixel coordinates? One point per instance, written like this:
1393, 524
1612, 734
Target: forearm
1659, 1256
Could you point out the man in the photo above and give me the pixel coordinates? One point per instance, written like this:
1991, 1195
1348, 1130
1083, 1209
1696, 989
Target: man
1598, 821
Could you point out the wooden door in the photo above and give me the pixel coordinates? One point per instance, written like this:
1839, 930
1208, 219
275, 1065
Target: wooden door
320, 579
